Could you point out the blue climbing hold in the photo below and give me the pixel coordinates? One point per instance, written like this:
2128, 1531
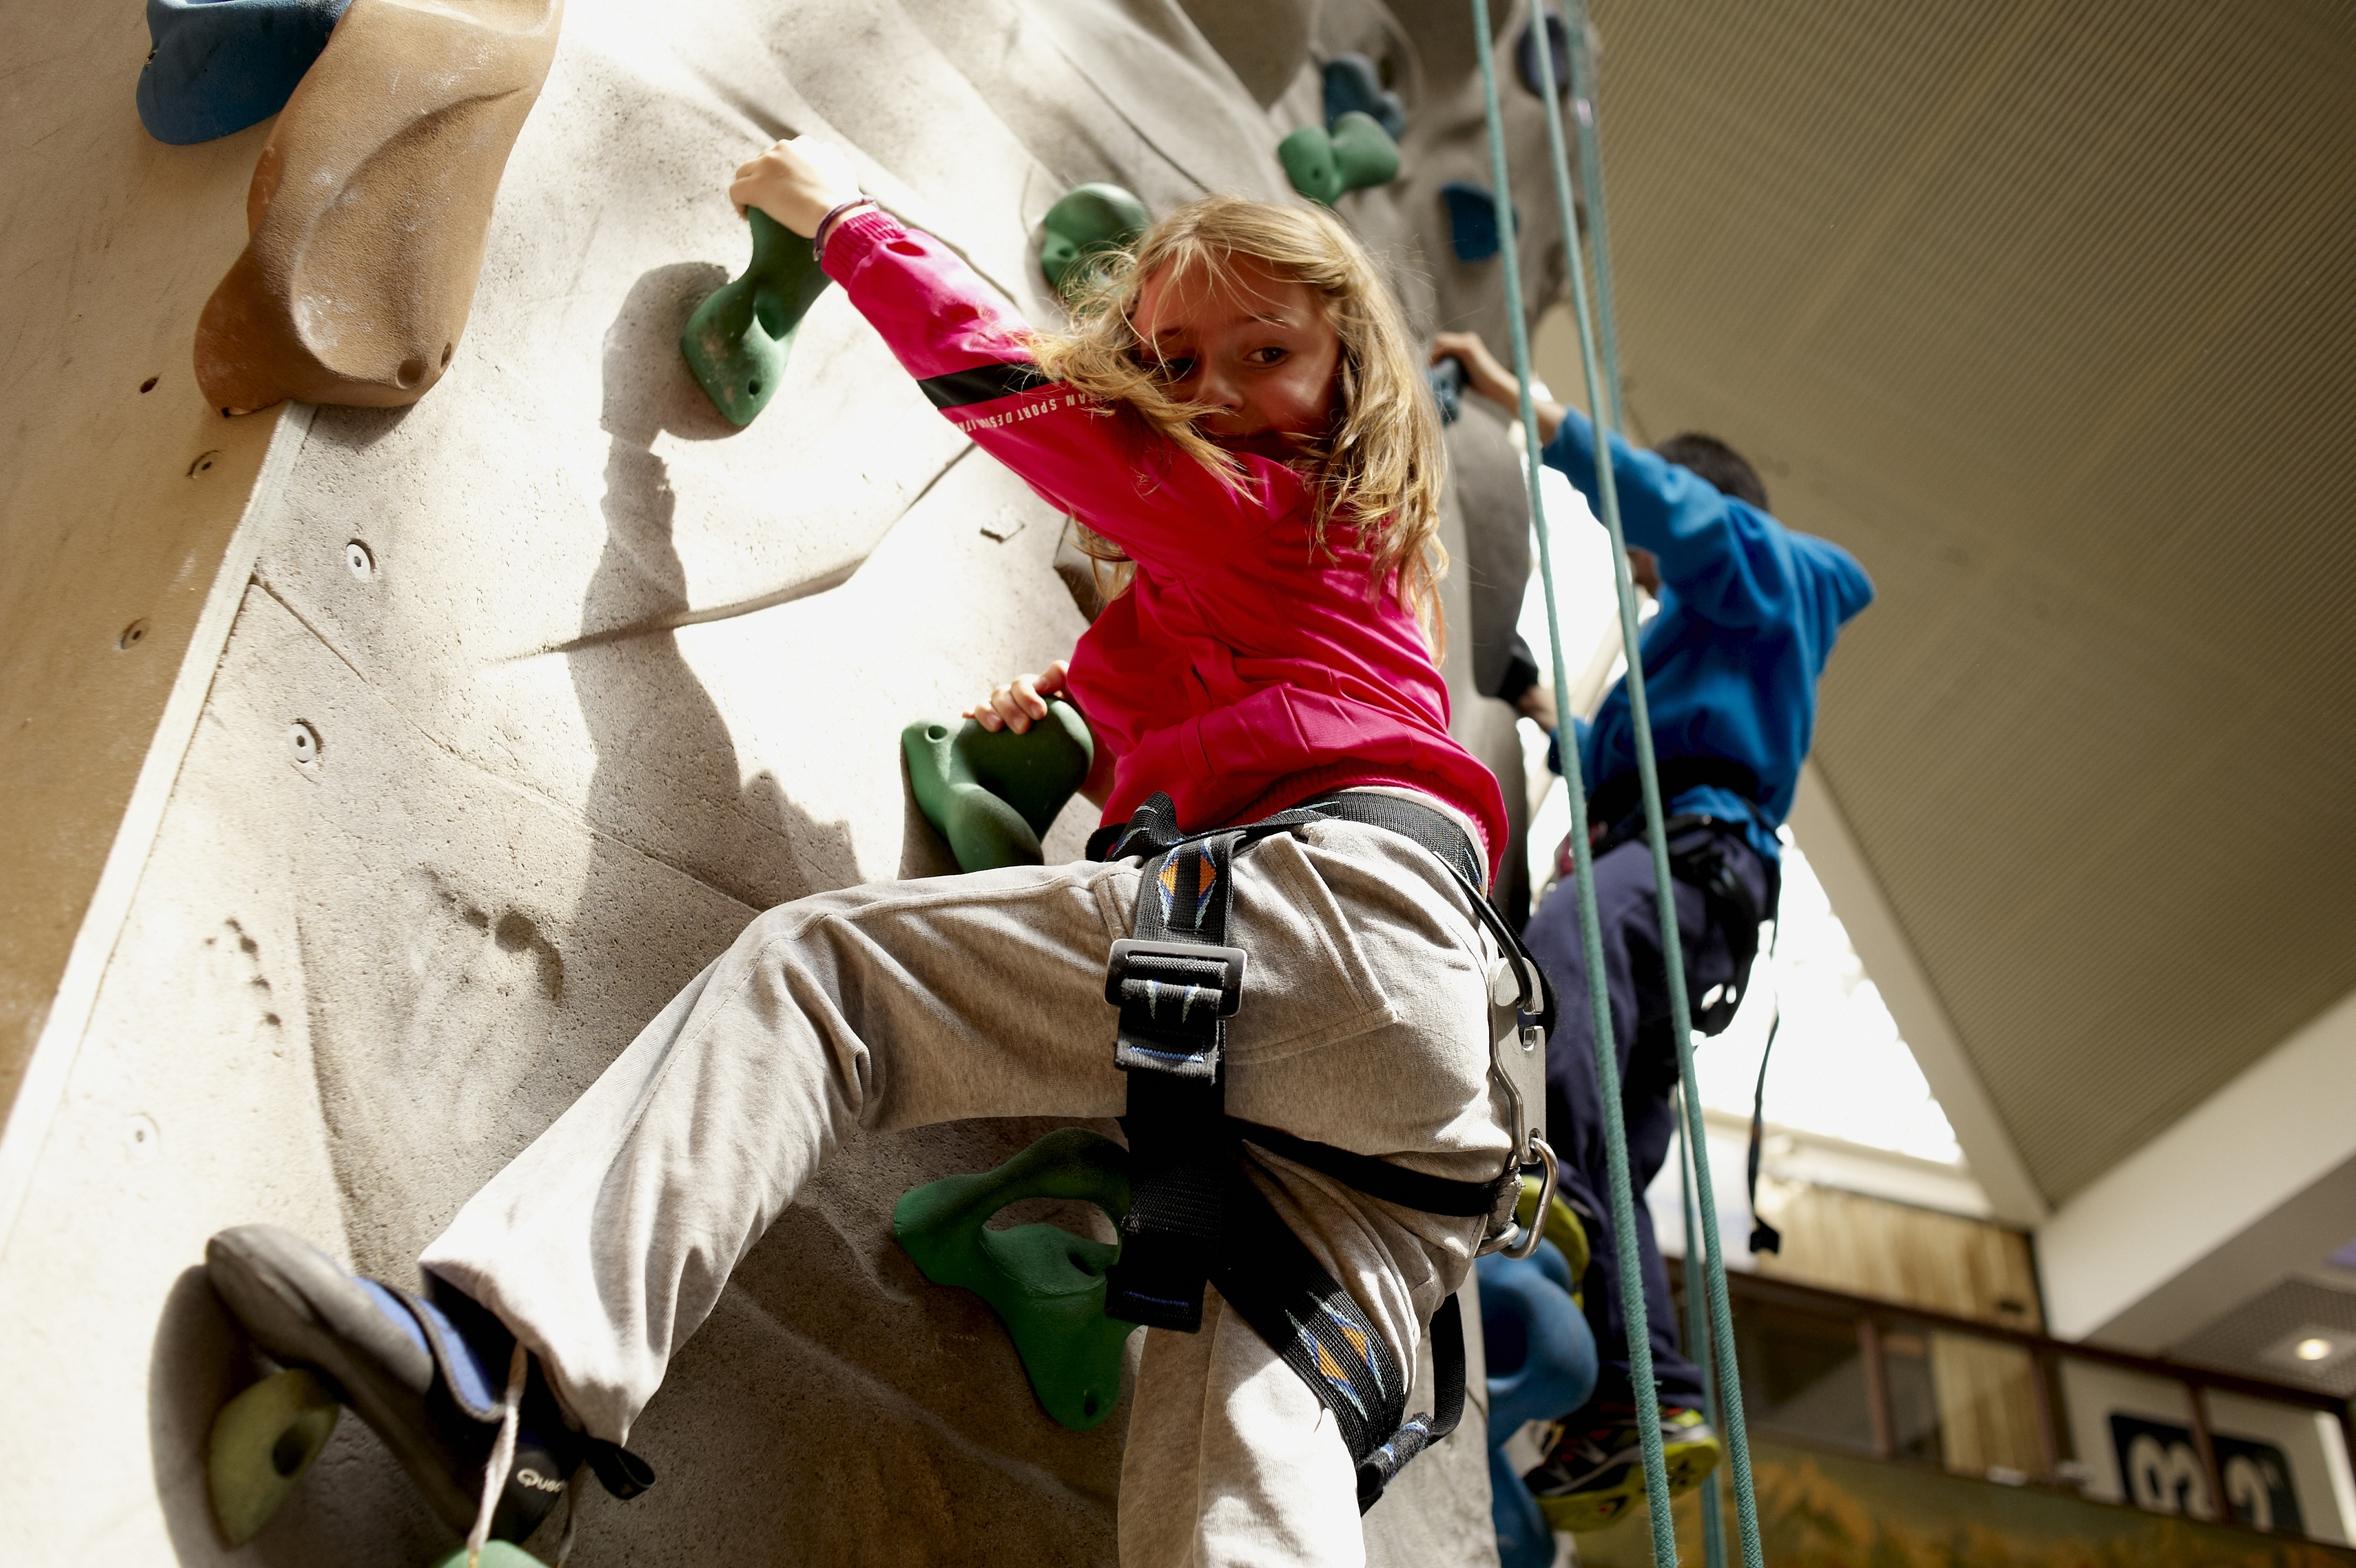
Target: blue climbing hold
1525, 55
218, 66
1472, 220
1542, 1366
1354, 86
1447, 378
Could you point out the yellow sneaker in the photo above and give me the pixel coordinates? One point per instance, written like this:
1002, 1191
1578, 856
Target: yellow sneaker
1593, 1474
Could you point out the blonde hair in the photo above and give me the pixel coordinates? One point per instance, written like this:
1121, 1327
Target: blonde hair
1380, 468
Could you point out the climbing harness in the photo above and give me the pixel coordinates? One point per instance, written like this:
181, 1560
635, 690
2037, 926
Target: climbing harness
1607, 418
1195, 1217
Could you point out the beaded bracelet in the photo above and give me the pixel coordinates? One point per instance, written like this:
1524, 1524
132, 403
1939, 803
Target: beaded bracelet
827, 223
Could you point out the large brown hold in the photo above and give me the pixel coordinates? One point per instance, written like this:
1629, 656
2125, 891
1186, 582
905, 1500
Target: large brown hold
368, 207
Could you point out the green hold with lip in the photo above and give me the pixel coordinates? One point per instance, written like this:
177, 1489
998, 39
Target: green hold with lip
1088, 222
993, 793
737, 341
1045, 1283
496, 1554
1355, 155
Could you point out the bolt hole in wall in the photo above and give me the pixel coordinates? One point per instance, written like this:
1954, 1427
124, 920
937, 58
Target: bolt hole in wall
305, 743
149, 384
360, 559
132, 636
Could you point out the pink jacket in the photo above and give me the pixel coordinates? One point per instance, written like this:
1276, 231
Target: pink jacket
1241, 673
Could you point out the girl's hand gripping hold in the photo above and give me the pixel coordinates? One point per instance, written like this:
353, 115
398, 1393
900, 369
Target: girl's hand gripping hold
798, 182
1014, 705
1021, 702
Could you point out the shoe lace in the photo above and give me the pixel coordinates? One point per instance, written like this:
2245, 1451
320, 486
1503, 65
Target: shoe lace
503, 1458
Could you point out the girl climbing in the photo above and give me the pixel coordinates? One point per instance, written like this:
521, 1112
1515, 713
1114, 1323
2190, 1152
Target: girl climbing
1238, 415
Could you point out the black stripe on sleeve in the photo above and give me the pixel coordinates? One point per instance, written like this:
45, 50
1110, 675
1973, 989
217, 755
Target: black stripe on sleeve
981, 384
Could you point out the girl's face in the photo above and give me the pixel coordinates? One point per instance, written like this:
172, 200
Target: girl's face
1250, 342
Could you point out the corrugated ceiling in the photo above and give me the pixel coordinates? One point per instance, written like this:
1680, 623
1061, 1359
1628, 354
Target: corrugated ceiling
2048, 311
2250, 1339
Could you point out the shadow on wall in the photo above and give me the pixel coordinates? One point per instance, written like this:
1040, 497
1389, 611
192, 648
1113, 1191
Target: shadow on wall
665, 758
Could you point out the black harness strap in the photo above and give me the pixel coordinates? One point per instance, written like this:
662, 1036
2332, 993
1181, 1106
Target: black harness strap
1378, 1178
1315, 1327
1176, 983
1194, 1216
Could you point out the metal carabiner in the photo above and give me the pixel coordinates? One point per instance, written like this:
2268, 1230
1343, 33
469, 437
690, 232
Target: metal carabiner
1519, 1240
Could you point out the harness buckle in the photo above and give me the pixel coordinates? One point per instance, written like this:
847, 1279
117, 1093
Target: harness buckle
1183, 966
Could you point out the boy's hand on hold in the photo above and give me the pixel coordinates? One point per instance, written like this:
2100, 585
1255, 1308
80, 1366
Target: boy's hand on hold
1486, 374
798, 182
1016, 704
1482, 370
1537, 703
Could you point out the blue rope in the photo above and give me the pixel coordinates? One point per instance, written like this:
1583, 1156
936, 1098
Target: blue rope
1607, 1067
1737, 1440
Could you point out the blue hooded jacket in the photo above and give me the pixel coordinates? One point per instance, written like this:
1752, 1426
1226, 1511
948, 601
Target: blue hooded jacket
1748, 613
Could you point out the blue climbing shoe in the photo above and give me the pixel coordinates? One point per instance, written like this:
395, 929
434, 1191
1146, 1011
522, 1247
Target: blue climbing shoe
430, 1376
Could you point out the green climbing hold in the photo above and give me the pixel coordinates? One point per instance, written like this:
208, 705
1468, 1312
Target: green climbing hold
1326, 165
993, 793
1045, 1283
737, 341
496, 1554
1087, 224
261, 1443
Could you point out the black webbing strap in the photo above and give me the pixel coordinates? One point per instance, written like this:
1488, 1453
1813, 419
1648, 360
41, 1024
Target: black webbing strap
1176, 983
1194, 1216
1703, 864
1765, 1238
1282, 1291
1379, 1178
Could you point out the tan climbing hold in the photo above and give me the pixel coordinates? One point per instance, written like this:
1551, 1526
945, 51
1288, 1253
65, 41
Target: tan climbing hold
368, 208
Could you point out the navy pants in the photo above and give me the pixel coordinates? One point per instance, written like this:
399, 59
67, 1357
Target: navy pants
1635, 981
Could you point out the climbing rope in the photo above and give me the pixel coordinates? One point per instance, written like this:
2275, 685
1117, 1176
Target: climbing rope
1720, 1340
1721, 1313
1584, 104
1697, 1335
1607, 1067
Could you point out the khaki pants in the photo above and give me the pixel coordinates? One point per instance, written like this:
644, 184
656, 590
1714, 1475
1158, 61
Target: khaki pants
1366, 1023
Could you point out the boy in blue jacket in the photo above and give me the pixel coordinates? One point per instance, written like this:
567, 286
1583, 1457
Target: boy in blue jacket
1748, 612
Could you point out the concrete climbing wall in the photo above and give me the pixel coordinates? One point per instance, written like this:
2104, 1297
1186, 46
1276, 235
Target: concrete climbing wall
541, 688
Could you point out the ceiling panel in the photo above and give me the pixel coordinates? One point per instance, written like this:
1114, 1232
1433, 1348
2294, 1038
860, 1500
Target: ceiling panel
2048, 312
2251, 1338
